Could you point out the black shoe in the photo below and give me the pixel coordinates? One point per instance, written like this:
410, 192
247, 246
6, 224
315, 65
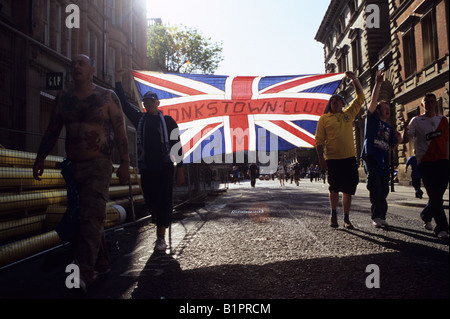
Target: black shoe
333, 222
348, 224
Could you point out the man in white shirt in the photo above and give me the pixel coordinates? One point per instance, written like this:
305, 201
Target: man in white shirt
431, 142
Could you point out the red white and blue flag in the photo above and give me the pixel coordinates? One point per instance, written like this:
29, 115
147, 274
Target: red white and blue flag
225, 114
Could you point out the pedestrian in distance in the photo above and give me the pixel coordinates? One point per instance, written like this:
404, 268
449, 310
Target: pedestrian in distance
253, 173
317, 173
379, 139
312, 172
236, 175
287, 172
416, 181
280, 173
294, 173
336, 151
159, 148
297, 172
90, 114
430, 134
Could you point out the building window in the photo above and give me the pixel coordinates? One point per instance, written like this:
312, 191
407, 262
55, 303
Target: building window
352, 7
342, 64
88, 40
429, 38
440, 106
5, 6
409, 52
119, 13
69, 43
356, 54
338, 28
111, 65
134, 31
342, 23
342, 58
46, 22
355, 37
58, 28
330, 68
93, 52
111, 11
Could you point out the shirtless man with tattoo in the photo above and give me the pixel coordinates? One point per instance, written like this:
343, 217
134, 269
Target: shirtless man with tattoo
90, 115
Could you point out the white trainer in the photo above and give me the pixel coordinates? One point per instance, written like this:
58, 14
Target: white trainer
378, 223
442, 235
160, 245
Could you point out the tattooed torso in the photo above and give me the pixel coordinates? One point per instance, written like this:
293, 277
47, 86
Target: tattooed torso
88, 124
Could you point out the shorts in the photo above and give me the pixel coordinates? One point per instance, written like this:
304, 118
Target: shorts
343, 175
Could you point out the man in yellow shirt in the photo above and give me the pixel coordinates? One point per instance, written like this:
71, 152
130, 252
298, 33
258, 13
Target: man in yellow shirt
336, 150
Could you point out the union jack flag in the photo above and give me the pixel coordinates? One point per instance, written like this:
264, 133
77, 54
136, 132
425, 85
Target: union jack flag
224, 114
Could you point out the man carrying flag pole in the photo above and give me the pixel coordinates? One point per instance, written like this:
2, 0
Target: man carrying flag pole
155, 142
336, 150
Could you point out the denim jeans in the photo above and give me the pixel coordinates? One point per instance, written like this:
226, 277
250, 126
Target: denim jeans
378, 186
435, 179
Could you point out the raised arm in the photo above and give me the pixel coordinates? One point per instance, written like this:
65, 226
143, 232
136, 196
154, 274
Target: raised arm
376, 91
356, 84
132, 113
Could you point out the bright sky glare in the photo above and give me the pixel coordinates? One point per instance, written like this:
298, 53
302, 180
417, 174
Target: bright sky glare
259, 37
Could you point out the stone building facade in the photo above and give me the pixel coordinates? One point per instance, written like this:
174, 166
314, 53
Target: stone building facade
420, 60
39, 37
407, 38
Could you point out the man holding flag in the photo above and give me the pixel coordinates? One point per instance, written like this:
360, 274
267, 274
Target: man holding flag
157, 137
336, 150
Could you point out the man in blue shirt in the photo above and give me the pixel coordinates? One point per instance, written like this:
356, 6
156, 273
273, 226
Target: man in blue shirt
415, 175
379, 139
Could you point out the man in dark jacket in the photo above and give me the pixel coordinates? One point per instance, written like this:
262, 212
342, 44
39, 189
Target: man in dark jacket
157, 153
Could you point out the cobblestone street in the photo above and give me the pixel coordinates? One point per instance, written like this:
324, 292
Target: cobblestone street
268, 242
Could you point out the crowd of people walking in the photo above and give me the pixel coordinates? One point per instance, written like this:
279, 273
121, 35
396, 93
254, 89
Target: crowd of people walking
94, 119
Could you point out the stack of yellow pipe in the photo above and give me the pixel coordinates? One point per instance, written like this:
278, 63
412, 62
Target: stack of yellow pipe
27, 247
30, 209
14, 177
13, 158
16, 228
